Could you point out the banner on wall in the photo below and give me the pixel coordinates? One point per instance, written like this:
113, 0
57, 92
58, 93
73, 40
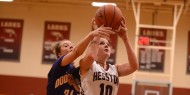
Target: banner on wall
10, 39
151, 59
188, 55
53, 32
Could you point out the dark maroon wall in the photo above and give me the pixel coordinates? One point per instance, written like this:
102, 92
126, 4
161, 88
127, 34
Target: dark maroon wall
16, 85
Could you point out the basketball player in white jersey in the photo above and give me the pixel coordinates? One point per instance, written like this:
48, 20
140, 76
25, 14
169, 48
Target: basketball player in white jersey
99, 78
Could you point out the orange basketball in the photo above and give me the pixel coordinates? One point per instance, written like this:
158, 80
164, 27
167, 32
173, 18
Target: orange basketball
109, 16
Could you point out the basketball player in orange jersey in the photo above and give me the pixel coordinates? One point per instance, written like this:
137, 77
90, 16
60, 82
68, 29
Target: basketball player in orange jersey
99, 78
59, 81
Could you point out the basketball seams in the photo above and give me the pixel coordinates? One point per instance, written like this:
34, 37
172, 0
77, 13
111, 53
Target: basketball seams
109, 16
98, 18
105, 15
112, 17
118, 22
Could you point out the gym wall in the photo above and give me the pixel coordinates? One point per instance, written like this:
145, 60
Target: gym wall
29, 75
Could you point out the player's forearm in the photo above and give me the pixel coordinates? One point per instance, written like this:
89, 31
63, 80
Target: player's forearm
94, 46
92, 50
131, 55
82, 45
77, 51
76, 87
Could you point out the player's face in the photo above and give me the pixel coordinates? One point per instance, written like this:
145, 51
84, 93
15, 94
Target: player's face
104, 47
66, 46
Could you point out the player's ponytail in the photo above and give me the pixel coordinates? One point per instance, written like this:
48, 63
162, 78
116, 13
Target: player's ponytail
56, 49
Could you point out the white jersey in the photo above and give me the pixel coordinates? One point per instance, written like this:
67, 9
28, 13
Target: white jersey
98, 81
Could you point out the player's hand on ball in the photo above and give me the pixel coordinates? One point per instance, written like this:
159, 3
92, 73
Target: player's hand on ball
123, 29
102, 31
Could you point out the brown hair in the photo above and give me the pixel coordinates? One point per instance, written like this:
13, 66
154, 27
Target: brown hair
56, 47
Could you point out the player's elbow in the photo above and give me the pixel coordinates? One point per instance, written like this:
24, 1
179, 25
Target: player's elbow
135, 66
132, 69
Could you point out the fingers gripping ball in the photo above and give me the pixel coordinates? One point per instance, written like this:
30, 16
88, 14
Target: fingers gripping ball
109, 16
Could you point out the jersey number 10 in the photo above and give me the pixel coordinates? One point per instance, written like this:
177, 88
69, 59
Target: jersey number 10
105, 89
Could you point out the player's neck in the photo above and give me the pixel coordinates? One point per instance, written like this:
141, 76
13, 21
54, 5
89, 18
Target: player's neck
103, 65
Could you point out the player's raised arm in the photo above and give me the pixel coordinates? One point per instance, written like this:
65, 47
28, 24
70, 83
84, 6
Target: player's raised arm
127, 68
82, 45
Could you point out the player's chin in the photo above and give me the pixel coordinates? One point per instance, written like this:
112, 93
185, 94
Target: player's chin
107, 53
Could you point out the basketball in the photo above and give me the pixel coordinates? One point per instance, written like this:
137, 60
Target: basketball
109, 16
